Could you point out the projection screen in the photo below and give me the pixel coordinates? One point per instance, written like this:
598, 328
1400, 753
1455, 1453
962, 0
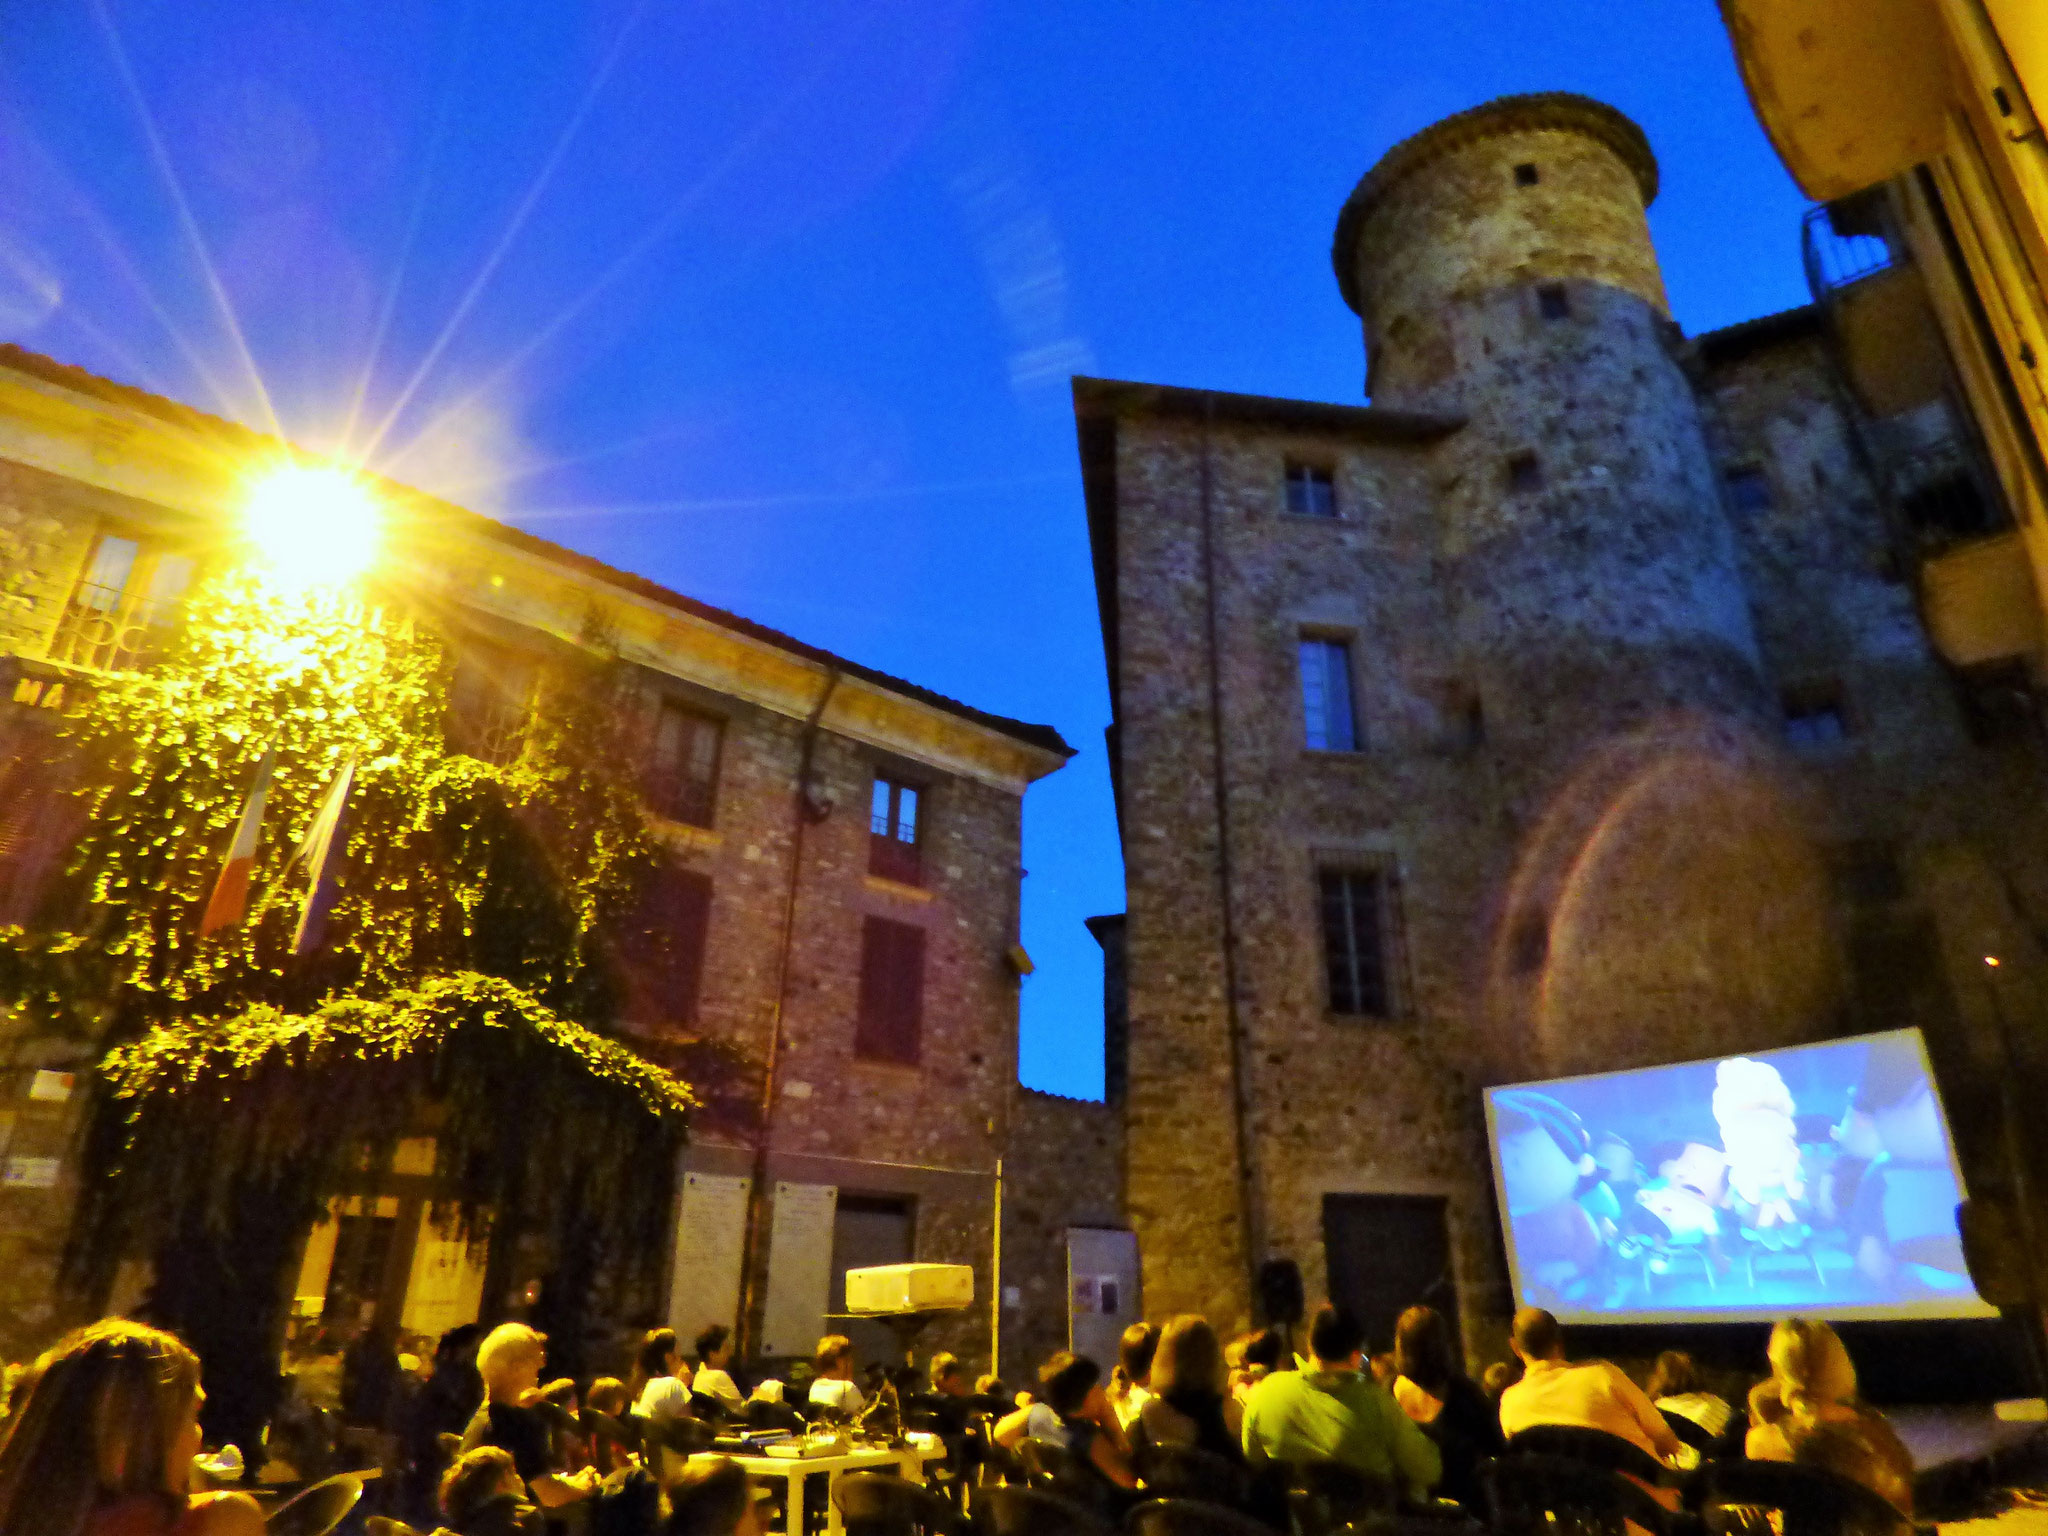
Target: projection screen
1819, 1179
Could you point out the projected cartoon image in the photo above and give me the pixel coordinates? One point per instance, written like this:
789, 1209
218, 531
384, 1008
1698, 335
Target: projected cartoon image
1819, 1178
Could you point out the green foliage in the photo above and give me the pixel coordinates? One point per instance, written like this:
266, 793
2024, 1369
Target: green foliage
455, 864
463, 958
529, 1111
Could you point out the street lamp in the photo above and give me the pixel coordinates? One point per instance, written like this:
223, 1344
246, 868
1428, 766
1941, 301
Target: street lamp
311, 525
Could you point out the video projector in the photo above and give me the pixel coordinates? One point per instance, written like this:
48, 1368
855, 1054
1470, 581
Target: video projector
894, 1290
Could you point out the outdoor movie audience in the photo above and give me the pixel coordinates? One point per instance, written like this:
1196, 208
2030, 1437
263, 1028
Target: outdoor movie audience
103, 1431
834, 1386
660, 1387
1675, 1388
510, 1360
1591, 1395
1808, 1412
713, 1379
1189, 1404
100, 1440
1432, 1388
1073, 1412
1335, 1411
1130, 1384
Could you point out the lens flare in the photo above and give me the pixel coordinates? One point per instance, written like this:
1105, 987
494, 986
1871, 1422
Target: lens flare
312, 525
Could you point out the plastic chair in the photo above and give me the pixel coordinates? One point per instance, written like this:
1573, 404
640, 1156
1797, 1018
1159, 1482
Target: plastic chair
1052, 1467
1190, 1517
883, 1504
1188, 1472
1533, 1495
1742, 1495
1594, 1448
1015, 1511
316, 1510
1325, 1495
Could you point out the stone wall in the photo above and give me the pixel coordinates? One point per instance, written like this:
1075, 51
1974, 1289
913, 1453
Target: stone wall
1064, 1168
1619, 857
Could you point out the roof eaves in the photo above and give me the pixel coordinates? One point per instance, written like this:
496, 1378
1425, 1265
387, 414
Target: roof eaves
188, 418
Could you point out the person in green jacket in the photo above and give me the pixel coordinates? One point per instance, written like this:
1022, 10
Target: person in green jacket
1336, 1412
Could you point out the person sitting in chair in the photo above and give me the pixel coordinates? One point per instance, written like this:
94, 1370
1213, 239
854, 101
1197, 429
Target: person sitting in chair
833, 1387
1073, 1411
713, 1379
1335, 1411
1591, 1395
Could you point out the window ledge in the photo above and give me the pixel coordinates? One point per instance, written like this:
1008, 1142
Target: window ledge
1367, 1020
1335, 520
890, 887
1337, 755
889, 1068
683, 833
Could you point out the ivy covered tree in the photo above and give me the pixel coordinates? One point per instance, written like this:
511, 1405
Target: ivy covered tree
465, 980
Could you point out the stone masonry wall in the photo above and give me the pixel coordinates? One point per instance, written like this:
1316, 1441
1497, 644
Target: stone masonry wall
1064, 1168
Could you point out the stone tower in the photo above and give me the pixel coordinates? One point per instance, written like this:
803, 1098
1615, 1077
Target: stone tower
1553, 713
1501, 262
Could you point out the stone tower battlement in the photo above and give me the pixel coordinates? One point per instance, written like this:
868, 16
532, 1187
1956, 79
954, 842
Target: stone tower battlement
1516, 193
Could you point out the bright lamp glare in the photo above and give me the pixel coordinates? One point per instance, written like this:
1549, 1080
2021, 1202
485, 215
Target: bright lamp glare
312, 526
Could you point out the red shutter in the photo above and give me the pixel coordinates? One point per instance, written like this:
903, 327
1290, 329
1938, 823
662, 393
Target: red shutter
664, 950
891, 1022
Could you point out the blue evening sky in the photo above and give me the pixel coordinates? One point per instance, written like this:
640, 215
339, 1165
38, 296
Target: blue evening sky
776, 302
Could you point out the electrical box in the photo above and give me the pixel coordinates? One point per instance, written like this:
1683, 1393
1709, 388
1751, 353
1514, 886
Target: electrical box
888, 1288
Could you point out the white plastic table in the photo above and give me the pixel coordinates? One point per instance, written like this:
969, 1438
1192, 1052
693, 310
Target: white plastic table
795, 1471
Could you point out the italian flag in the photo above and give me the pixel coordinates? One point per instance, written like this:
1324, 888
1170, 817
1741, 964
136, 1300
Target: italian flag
320, 851
230, 900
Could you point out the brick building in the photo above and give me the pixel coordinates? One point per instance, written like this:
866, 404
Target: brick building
1567, 708
843, 865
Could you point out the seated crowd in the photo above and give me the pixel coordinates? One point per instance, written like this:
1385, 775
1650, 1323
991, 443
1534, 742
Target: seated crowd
102, 1433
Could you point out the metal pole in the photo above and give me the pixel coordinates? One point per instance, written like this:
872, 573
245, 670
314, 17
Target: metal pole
995, 1301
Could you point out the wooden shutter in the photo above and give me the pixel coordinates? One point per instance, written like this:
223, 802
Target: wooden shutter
664, 951
891, 1023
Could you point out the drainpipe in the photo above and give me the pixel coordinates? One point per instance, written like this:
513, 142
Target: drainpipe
806, 810
1247, 1190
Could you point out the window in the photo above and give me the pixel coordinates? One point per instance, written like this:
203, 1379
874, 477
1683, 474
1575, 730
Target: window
1355, 926
663, 946
489, 700
892, 829
125, 600
891, 1022
1525, 472
1815, 715
1526, 174
1311, 490
1553, 303
1749, 488
683, 773
1950, 506
1327, 724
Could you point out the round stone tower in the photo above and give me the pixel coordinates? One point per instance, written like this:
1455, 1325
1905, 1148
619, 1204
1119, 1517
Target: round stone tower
1502, 265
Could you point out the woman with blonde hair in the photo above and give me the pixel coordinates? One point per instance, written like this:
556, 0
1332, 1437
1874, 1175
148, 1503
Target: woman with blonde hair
510, 1360
1191, 1399
101, 1441
1816, 1418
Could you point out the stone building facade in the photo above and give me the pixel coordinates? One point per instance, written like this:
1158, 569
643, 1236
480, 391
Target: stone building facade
1566, 709
843, 846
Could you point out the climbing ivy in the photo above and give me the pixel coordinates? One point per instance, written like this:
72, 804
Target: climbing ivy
466, 962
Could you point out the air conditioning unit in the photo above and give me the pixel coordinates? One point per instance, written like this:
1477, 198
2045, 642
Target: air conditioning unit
892, 1288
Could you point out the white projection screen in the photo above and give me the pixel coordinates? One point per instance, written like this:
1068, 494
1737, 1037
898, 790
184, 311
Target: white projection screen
1819, 1179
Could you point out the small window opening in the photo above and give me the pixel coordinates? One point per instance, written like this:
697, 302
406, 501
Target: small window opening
1815, 715
1328, 724
1950, 507
1749, 488
1311, 489
1526, 174
1553, 303
1525, 472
